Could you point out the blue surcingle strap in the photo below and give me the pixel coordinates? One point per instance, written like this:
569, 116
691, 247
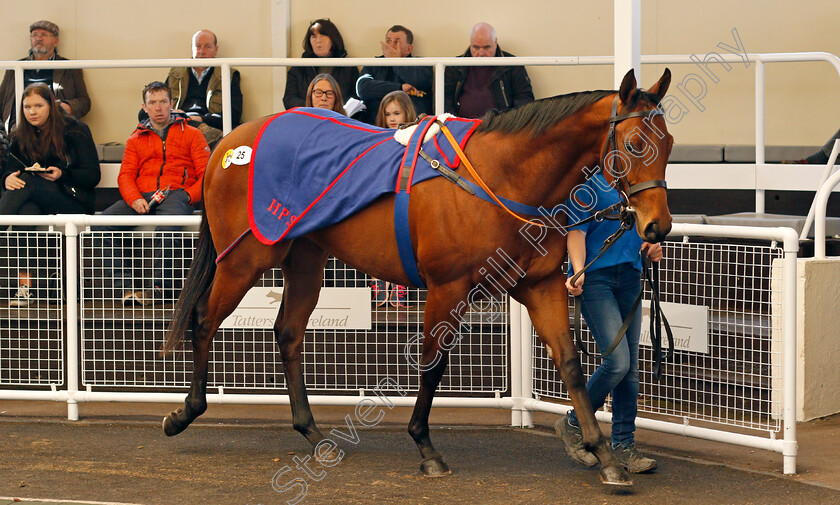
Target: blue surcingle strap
404, 245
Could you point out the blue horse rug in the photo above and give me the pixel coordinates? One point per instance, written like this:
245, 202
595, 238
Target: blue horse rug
311, 168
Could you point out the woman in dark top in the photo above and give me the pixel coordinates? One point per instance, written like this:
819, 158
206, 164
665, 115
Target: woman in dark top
322, 40
52, 167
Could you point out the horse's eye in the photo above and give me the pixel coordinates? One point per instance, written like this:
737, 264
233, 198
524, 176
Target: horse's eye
631, 148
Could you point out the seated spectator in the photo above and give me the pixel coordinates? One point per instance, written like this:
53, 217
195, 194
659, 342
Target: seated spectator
376, 82
322, 40
52, 168
472, 91
394, 109
67, 84
145, 170
324, 93
197, 91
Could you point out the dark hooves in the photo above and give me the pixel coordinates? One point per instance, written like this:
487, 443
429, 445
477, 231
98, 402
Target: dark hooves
172, 426
616, 476
435, 467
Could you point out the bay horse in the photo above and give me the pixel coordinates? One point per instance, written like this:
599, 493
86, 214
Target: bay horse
535, 154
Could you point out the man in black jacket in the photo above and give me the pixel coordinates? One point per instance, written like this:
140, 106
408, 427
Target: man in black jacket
376, 82
472, 91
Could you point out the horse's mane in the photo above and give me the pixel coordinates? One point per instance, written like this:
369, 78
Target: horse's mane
539, 115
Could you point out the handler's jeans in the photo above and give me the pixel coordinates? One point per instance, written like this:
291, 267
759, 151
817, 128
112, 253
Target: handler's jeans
608, 295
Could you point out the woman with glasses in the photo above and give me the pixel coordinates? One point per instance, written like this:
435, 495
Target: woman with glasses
324, 93
322, 40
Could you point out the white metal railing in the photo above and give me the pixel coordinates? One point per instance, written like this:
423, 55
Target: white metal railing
779, 356
440, 63
123, 359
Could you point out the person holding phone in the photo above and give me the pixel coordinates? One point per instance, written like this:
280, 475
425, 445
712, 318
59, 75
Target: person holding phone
52, 167
161, 174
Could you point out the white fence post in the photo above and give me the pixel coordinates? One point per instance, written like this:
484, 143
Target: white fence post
527, 365
71, 242
516, 362
789, 280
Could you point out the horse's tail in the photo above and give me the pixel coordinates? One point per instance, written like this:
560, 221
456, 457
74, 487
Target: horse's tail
199, 278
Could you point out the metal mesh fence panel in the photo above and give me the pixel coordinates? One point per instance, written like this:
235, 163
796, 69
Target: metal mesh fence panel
32, 320
738, 381
121, 337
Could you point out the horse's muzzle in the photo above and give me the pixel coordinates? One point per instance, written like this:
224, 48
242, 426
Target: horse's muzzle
655, 233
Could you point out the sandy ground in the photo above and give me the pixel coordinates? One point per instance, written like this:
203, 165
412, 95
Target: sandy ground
239, 454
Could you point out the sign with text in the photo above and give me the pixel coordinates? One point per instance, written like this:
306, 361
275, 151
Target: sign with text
337, 309
689, 323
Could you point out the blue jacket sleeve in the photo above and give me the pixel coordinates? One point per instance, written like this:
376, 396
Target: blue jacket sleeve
369, 88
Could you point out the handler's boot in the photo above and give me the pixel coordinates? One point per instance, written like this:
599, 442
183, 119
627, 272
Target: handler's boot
573, 439
632, 460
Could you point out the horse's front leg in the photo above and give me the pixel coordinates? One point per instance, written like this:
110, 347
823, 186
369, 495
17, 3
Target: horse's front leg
440, 335
547, 304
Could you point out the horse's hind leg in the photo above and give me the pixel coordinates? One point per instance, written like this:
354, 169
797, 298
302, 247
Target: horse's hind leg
234, 276
303, 271
546, 305
440, 334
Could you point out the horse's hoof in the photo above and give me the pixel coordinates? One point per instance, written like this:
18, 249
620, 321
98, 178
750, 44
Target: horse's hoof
171, 426
616, 476
435, 467
330, 459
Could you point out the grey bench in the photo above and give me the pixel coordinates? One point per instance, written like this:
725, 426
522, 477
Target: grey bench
772, 154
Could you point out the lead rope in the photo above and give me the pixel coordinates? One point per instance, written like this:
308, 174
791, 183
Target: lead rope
657, 320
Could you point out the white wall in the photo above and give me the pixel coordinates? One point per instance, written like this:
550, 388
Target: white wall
818, 348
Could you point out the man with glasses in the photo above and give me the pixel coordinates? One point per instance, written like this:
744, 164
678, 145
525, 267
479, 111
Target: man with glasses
67, 84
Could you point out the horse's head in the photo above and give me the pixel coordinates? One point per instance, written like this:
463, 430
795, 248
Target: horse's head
636, 153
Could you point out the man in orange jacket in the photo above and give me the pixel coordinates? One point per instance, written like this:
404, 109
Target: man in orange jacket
161, 173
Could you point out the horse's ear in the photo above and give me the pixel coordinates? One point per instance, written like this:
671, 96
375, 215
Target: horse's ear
661, 87
628, 84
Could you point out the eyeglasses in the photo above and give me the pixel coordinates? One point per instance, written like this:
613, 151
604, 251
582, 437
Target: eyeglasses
317, 93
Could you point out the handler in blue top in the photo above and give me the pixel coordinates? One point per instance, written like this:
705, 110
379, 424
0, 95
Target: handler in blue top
607, 296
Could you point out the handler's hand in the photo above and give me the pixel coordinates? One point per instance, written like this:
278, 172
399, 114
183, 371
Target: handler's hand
654, 251
575, 289
140, 206
13, 181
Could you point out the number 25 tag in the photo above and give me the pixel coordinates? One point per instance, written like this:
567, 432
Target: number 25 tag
239, 156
